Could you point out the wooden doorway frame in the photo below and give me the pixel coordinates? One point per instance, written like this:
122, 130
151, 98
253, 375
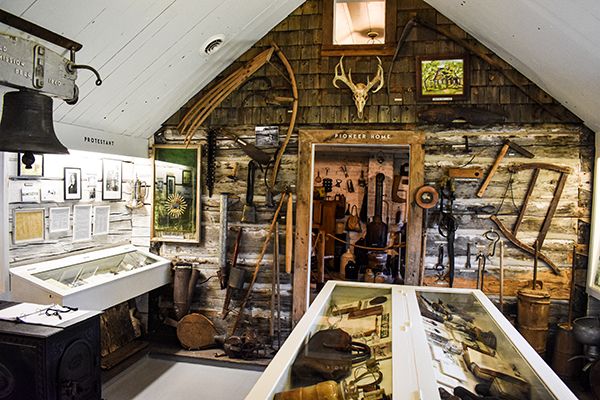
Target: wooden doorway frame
307, 141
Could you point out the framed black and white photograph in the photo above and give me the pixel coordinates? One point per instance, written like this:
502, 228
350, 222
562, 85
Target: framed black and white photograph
72, 183
111, 179
37, 168
170, 185
266, 135
91, 184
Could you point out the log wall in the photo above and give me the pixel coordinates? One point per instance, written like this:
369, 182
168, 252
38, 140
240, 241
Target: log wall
552, 133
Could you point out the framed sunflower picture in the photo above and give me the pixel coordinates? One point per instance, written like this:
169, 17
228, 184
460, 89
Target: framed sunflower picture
175, 214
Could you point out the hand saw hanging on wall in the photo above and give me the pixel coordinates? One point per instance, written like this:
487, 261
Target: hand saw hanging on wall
512, 236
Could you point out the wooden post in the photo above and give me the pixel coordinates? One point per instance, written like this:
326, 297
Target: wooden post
321, 257
502, 276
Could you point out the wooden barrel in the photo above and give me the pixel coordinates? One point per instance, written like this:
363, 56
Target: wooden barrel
532, 314
565, 348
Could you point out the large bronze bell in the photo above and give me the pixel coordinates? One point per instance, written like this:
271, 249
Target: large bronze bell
27, 126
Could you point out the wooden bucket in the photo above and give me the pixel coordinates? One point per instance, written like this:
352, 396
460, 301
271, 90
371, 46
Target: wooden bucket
565, 348
533, 309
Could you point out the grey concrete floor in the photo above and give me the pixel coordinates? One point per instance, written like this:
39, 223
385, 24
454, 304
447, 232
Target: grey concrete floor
156, 377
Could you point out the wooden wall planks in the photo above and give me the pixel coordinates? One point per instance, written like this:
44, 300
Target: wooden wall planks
322, 106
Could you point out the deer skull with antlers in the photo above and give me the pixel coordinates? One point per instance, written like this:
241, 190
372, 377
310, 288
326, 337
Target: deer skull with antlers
360, 90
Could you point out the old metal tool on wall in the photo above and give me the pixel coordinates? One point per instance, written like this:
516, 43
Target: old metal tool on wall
258, 263
235, 275
426, 198
447, 227
252, 151
249, 213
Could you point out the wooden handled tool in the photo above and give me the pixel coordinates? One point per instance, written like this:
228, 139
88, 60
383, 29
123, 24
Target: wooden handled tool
233, 262
251, 150
366, 312
507, 144
258, 263
289, 234
274, 280
501, 276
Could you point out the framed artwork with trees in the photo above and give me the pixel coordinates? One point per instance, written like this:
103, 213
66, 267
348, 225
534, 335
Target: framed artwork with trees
443, 77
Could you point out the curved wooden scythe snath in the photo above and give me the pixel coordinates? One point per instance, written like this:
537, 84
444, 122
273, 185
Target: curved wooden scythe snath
211, 100
290, 72
512, 236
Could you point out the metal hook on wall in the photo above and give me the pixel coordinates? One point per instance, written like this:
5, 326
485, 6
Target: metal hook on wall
493, 237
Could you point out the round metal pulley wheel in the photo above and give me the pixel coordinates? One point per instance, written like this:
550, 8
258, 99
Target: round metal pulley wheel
427, 197
248, 350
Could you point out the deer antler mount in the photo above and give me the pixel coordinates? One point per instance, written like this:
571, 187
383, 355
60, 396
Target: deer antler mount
360, 90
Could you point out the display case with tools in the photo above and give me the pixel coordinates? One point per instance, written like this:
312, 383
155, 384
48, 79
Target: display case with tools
94, 280
369, 341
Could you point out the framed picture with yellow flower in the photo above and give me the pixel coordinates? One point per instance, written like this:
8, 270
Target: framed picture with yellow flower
175, 213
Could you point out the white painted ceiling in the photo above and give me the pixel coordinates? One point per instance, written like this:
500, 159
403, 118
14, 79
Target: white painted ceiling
554, 43
149, 53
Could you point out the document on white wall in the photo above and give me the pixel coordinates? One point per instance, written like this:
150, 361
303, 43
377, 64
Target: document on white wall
59, 219
82, 223
101, 219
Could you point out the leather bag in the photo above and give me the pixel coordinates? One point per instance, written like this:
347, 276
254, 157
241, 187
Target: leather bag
353, 222
328, 355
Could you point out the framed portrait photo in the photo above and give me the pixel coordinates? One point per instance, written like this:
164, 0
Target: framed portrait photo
443, 77
72, 183
111, 179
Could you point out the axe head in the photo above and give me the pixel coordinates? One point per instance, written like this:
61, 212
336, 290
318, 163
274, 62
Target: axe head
519, 149
249, 213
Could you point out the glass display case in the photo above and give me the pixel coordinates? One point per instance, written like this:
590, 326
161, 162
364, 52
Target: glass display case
424, 342
95, 280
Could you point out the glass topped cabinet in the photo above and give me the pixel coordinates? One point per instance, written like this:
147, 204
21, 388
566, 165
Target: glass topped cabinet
370, 341
94, 280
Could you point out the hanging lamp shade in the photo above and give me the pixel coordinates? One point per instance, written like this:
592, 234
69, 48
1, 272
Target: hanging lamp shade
27, 126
